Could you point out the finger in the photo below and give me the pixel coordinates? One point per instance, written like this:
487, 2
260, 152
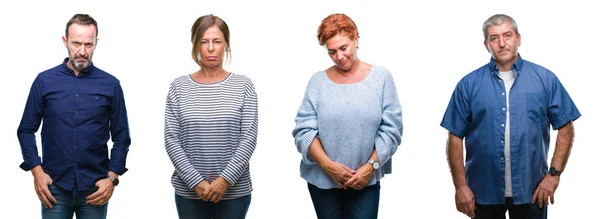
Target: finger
340, 184
47, 196
96, 194
546, 197
540, 199
471, 210
535, 195
350, 182
552, 198
44, 201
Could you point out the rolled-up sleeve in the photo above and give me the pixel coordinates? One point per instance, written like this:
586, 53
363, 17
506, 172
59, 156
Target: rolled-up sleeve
119, 129
389, 135
457, 117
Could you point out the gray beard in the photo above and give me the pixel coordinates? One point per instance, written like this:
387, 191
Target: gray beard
80, 66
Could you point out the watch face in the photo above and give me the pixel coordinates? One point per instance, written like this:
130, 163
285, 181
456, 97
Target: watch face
375, 165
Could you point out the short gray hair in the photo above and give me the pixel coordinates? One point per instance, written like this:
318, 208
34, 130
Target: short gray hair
498, 19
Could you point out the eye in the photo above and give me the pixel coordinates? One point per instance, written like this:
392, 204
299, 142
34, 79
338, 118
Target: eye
508, 36
493, 38
331, 52
344, 48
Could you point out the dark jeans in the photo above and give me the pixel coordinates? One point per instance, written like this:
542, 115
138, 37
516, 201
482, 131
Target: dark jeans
345, 203
72, 202
524, 211
224, 209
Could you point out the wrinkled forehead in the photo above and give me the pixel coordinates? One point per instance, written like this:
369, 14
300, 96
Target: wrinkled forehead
82, 33
499, 29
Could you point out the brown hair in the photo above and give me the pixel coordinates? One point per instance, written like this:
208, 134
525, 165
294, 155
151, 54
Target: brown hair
198, 29
82, 19
335, 24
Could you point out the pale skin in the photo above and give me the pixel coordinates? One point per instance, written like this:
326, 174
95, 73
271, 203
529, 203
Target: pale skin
347, 69
80, 45
503, 42
212, 50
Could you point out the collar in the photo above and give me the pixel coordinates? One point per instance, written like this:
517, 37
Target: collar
85, 71
517, 66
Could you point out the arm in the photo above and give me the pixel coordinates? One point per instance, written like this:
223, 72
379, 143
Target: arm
464, 198
390, 131
249, 129
178, 156
306, 126
547, 187
240, 160
562, 150
30, 123
119, 129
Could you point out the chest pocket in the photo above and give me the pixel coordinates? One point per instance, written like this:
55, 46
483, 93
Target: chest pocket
536, 107
96, 105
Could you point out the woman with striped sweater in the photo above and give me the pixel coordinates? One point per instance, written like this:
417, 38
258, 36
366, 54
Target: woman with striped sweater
211, 123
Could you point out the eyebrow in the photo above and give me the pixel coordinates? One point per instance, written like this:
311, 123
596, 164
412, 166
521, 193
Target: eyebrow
345, 45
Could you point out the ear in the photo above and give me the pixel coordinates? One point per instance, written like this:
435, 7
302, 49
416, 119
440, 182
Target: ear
356, 41
65, 41
486, 46
518, 39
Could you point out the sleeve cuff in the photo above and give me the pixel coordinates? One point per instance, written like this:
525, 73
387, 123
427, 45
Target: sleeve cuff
30, 165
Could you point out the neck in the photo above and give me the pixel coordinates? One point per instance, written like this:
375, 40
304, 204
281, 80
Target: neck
215, 72
352, 71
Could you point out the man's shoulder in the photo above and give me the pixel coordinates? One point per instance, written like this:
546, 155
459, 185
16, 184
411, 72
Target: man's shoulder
105, 74
533, 67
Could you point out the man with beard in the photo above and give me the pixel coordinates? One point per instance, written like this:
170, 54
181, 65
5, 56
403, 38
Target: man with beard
504, 110
81, 106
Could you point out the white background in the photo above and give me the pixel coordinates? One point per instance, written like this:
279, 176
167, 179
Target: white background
427, 45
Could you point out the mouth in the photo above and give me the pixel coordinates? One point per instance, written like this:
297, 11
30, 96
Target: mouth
212, 58
342, 62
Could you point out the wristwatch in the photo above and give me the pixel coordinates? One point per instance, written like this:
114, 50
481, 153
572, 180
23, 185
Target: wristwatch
374, 163
114, 180
554, 172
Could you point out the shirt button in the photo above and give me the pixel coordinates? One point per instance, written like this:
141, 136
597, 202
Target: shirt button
502, 93
76, 112
502, 158
502, 125
503, 109
76, 95
502, 142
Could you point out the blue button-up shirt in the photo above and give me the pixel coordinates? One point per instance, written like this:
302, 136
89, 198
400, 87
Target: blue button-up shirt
78, 114
477, 112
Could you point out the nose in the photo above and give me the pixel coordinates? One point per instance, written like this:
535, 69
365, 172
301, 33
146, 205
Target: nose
211, 47
81, 50
339, 56
502, 42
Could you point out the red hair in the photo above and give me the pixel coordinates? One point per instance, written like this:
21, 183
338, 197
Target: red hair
335, 24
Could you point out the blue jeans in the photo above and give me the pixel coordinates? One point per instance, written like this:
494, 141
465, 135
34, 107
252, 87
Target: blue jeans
345, 203
224, 209
69, 202
524, 211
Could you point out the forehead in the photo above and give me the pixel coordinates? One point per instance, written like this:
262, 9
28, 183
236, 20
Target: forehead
212, 32
82, 32
337, 41
500, 29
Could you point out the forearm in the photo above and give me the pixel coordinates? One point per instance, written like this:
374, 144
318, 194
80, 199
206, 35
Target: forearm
562, 150
454, 151
317, 153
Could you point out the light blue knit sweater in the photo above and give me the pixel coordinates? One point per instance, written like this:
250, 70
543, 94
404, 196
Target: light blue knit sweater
350, 119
